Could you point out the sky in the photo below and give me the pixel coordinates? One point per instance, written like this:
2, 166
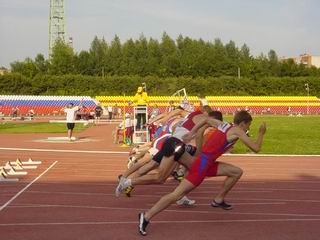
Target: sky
290, 27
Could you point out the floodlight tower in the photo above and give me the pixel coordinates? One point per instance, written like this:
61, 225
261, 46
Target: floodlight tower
56, 23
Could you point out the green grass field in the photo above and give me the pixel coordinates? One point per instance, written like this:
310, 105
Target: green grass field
285, 135
30, 127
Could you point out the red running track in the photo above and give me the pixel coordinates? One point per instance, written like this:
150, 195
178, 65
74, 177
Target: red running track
277, 198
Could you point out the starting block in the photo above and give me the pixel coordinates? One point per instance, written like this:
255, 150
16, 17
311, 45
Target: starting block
24, 165
30, 162
14, 168
12, 171
4, 177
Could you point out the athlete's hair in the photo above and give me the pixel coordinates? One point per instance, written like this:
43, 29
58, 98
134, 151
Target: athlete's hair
206, 109
242, 116
216, 115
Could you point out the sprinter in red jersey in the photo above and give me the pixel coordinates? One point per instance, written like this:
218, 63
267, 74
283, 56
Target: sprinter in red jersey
206, 165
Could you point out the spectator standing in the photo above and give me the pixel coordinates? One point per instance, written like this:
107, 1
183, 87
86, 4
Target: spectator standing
70, 111
98, 112
110, 112
14, 112
141, 100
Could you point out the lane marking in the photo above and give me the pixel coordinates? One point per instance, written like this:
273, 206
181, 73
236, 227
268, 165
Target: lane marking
165, 222
62, 150
238, 204
126, 152
26, 187
160, 195
184, 210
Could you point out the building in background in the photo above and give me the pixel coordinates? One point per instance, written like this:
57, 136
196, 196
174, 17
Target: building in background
305, 59
309, 60
3, 70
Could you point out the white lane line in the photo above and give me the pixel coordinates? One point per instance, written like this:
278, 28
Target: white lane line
165, 222
26, 187
258, 189
237, 204
184, 210
126, 152
234, 191
157, 196
62, 150
269, 155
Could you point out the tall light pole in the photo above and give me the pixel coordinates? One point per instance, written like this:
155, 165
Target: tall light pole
308, 91
56, 23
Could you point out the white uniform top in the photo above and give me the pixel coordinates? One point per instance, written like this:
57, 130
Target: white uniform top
71, 114
179, 132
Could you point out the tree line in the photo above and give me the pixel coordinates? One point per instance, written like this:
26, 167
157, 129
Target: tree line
115, 68
78, 85
166, 58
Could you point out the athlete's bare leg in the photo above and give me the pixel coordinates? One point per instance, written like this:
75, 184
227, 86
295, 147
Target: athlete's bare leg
186, 160
135, 167
184, 188
233, 174
146, 168
165, 168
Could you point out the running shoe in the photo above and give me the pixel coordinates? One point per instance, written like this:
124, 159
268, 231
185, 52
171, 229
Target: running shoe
123, 184
128, 191
178, 176
185, 201
120, 187
222, 205
143, 223
131, 161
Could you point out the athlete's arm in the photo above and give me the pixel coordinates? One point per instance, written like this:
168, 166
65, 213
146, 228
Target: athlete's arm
208, 121
199, 139
171, 114
157, 118
254, 146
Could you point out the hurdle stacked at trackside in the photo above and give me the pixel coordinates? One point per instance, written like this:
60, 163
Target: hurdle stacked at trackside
42, 105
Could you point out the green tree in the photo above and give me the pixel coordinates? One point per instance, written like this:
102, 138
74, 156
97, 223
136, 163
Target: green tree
83, 63
169, 56
98, 55
114, 57
27, 67
62, 59
41, 64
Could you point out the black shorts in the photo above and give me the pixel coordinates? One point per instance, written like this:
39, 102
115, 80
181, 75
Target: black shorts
191, 149
171, 147
70, 126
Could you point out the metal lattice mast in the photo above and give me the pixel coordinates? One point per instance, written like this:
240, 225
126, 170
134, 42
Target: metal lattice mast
56, 23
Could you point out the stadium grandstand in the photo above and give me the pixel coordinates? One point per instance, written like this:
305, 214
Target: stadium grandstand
51, 105
41, 105
230, 104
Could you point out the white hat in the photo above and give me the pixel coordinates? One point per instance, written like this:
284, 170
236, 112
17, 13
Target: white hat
127, 115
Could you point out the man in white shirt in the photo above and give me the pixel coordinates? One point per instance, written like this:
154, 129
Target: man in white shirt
71, 110
110, 112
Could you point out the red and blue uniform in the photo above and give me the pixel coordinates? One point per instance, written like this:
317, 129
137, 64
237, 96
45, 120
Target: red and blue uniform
205, 164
